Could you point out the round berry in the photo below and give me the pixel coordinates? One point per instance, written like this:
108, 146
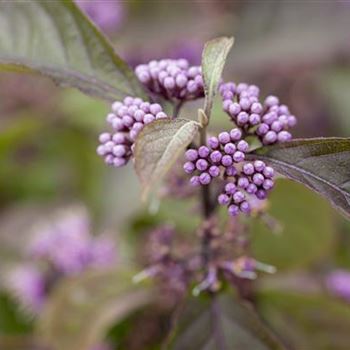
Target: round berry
233, 210
191, 155
204, 178
189, 167
223, 199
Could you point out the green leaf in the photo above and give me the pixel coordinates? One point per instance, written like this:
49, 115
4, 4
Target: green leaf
55, 39
80, 310
213, 61
222, 323
312, 321
159, 145
308, 228
322, 164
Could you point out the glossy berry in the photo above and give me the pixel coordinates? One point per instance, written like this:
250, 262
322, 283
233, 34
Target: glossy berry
127, 119
173, 79
269, 120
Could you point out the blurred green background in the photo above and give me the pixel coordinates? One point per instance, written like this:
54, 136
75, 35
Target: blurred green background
297, 50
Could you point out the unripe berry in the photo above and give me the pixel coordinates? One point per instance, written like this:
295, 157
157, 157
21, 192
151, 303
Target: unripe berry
223, 199
191, 155
205, 179
224, 137
189, 167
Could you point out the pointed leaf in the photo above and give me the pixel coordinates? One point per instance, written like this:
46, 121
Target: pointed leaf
159, 145
306, 321
213, 61
223, 324
55, 39
322, 164
80, 310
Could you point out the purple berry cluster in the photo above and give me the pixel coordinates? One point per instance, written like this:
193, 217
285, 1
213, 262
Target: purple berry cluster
59, 247
172, 79
221, 152
254, 179
269, 120
127, 120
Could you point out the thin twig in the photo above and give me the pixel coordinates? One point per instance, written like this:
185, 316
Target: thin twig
177, 108
219, 336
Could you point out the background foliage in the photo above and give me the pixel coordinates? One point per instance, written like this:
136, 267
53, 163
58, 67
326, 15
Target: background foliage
47, 160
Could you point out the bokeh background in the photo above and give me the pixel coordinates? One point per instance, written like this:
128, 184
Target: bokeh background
298, 50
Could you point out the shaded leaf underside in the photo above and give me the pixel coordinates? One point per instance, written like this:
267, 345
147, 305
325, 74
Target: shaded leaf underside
322, 164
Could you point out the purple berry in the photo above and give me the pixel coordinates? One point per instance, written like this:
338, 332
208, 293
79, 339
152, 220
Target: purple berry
119, 150
230, 148
292, 121
214, 171
202, 164
261, 194
139, 114
189, 167
191, 155
269, 118
161, 115
101, 150
254, 119
243, 146
224, 137
118, 162
276, 126
104, 137
230, 188
248, 169
284, 136
238, 197
148, 118
251, 189
233, 210
215, 157
238, 156
243, 182
213, 142
256, 107
267, 184
223, 199
205, 179
259, 165
271, 101
268, 172
203, 151
231, 171
155, 108
258, 179
226, 160
194, 181
242, 118
262, 129
270, 137
234, 109
245, 207
235, 134
244, 103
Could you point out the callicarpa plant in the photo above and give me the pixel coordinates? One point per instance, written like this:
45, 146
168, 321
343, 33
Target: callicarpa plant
205, 278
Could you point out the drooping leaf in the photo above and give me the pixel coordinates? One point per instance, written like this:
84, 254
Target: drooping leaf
307, 228
159, 145
213, 61
222, 323
306, 321
80, 311
322, 164
55, 39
